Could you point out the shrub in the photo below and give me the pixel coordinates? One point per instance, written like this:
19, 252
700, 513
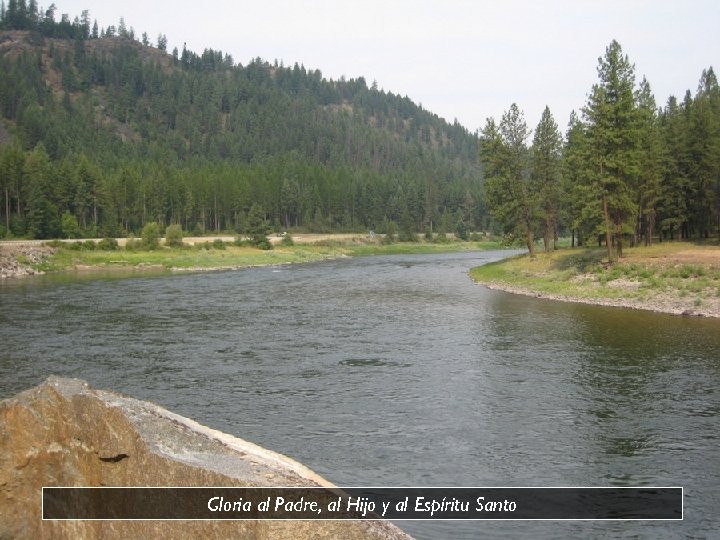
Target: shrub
461, 230
89, 245
174, 236
475, 237
389, 228
287, 240
441, 238
151, 236
218, 244
262, 243
69, 225
108, 244
132, 243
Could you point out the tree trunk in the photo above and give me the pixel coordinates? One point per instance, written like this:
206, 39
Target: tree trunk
608, 242
530, 243
650, 228
529, 236
548, 236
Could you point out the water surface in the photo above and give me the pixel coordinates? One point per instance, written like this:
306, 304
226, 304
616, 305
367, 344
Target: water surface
399, 371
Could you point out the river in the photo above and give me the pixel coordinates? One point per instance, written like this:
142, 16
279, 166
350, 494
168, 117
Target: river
399, 371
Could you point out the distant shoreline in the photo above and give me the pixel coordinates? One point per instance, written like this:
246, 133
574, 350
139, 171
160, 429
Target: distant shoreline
30, 258
674, 278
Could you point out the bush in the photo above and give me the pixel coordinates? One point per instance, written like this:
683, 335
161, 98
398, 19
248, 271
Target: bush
441, 238
90, 245
407, 234
287, 240
132, 243
218, 244
389, 228
262, 242
151, 236
461, 230
174, 236
69, 226
475, 237
108, 244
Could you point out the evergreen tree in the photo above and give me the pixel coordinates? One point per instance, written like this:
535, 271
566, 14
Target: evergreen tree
507, 188
612, 121
546, 175
650, 170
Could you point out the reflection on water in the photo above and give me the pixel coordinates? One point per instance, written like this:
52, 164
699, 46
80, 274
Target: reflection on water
399, 371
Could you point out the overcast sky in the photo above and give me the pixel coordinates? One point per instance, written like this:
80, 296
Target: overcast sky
461, 59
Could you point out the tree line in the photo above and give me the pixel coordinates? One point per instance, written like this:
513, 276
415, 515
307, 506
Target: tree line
102, 129
626, 170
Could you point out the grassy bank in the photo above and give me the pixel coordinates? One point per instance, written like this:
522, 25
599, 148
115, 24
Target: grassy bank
231, 256
672, 277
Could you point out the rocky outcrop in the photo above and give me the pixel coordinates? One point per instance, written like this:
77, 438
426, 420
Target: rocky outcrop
64, 433
18, 259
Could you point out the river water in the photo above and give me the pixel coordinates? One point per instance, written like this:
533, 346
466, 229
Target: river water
399, 371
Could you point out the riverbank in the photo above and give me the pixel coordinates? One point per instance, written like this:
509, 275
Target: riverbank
210, 254
23, 260
672, 277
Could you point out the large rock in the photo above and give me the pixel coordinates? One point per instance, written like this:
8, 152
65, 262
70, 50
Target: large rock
64, 433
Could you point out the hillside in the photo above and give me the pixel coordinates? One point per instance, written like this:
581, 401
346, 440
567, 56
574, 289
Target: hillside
101, 135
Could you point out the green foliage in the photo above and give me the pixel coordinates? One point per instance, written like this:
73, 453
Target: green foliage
69, 225
132, 243
174, 236
151, 236
507, 181
389, 229
201, 140
108, 244
263, 243
441, 238
287, 240
461, 231
546, 176
218, 244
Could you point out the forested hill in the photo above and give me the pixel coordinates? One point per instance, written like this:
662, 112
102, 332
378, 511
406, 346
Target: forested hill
113, 132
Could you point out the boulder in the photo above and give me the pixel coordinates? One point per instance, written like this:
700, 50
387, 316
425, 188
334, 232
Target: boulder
64, 433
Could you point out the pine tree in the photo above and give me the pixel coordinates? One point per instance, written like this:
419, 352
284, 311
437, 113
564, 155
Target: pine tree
505, 156
546, 159
612, 120
650, 171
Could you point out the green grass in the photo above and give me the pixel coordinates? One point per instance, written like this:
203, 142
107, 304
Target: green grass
230, 256
585, 274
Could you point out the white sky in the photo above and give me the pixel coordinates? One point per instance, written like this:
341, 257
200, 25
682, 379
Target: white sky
461, 59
